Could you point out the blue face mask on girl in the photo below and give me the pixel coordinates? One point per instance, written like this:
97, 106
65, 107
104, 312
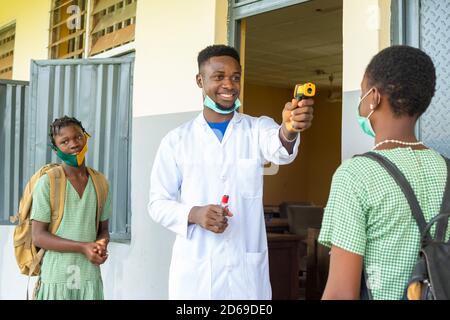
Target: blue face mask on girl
364, 122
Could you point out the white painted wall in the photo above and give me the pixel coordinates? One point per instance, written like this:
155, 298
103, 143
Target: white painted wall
12, 284
169, 36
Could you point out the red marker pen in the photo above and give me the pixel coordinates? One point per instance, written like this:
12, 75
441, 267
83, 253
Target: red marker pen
224, 202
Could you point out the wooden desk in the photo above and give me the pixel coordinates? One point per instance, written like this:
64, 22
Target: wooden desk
284, 265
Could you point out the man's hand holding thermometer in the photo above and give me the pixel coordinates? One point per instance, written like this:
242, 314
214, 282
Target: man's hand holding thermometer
298, 114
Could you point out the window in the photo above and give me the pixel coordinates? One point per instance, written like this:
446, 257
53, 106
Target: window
113, 24
67, 29
7, 36
84, 28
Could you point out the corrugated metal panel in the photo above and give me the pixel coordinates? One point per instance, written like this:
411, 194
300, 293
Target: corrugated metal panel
425, 24
13, 102
98, 93
435, 41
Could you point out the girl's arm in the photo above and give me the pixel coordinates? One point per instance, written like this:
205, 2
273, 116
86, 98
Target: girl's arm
103, 231
42, 238
344, 277
103, 238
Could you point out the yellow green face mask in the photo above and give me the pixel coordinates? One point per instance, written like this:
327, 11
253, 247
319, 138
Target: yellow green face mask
71, 159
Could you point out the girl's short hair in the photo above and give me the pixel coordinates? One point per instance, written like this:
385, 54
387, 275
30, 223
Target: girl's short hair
406, 75
63, 122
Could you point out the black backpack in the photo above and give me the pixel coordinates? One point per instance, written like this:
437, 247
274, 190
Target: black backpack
430, 279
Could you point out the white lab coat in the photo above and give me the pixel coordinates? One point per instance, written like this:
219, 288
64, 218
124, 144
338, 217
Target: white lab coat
193, 168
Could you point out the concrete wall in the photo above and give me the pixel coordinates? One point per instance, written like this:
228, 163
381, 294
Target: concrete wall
366, 31
32, 20
140, 269
165, 95
169, 35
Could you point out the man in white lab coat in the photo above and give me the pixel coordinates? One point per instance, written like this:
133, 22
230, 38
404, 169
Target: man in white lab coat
221, 253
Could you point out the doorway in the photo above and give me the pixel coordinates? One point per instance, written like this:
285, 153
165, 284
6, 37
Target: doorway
280, 48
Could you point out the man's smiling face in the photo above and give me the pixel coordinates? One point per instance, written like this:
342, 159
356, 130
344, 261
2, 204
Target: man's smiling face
220, 77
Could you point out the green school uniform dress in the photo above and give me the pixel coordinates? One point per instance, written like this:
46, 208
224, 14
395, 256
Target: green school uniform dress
70, 276
368, 214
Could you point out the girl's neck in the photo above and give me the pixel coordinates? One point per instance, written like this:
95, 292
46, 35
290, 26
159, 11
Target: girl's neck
78, 172
396, 129
403, 138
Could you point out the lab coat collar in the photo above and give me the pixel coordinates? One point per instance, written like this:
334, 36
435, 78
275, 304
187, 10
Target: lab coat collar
237, 117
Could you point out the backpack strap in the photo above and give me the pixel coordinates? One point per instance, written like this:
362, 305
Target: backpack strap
441, 227
36, 261
400, 179
101, 189
365, 292
58, 181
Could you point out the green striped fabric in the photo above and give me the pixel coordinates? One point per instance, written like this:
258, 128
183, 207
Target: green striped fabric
70, 276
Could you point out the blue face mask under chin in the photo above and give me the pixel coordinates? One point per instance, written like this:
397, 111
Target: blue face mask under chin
209, 103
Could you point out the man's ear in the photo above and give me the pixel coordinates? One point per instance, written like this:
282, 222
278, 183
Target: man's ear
198, 78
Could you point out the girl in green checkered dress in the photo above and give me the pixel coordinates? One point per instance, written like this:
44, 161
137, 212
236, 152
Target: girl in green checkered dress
367, 220
70, 267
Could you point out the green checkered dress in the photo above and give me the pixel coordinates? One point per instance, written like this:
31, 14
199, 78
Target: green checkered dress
70, 276
368, 214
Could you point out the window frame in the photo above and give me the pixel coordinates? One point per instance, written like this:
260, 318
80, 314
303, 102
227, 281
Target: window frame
87, 31
4, 29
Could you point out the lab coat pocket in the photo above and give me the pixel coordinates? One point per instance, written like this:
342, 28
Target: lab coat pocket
250, 178
258, 276
190, 279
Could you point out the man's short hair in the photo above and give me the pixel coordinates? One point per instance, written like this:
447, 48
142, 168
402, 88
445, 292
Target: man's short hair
217, 50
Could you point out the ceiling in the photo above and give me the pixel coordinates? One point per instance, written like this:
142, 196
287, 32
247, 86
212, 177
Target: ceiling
296, 44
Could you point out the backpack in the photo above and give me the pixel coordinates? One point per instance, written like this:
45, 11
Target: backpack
28, 256
430, 279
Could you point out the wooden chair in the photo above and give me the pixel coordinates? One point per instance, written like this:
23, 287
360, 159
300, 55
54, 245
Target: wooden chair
318, 260
301, 218
283, 265
285, 207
